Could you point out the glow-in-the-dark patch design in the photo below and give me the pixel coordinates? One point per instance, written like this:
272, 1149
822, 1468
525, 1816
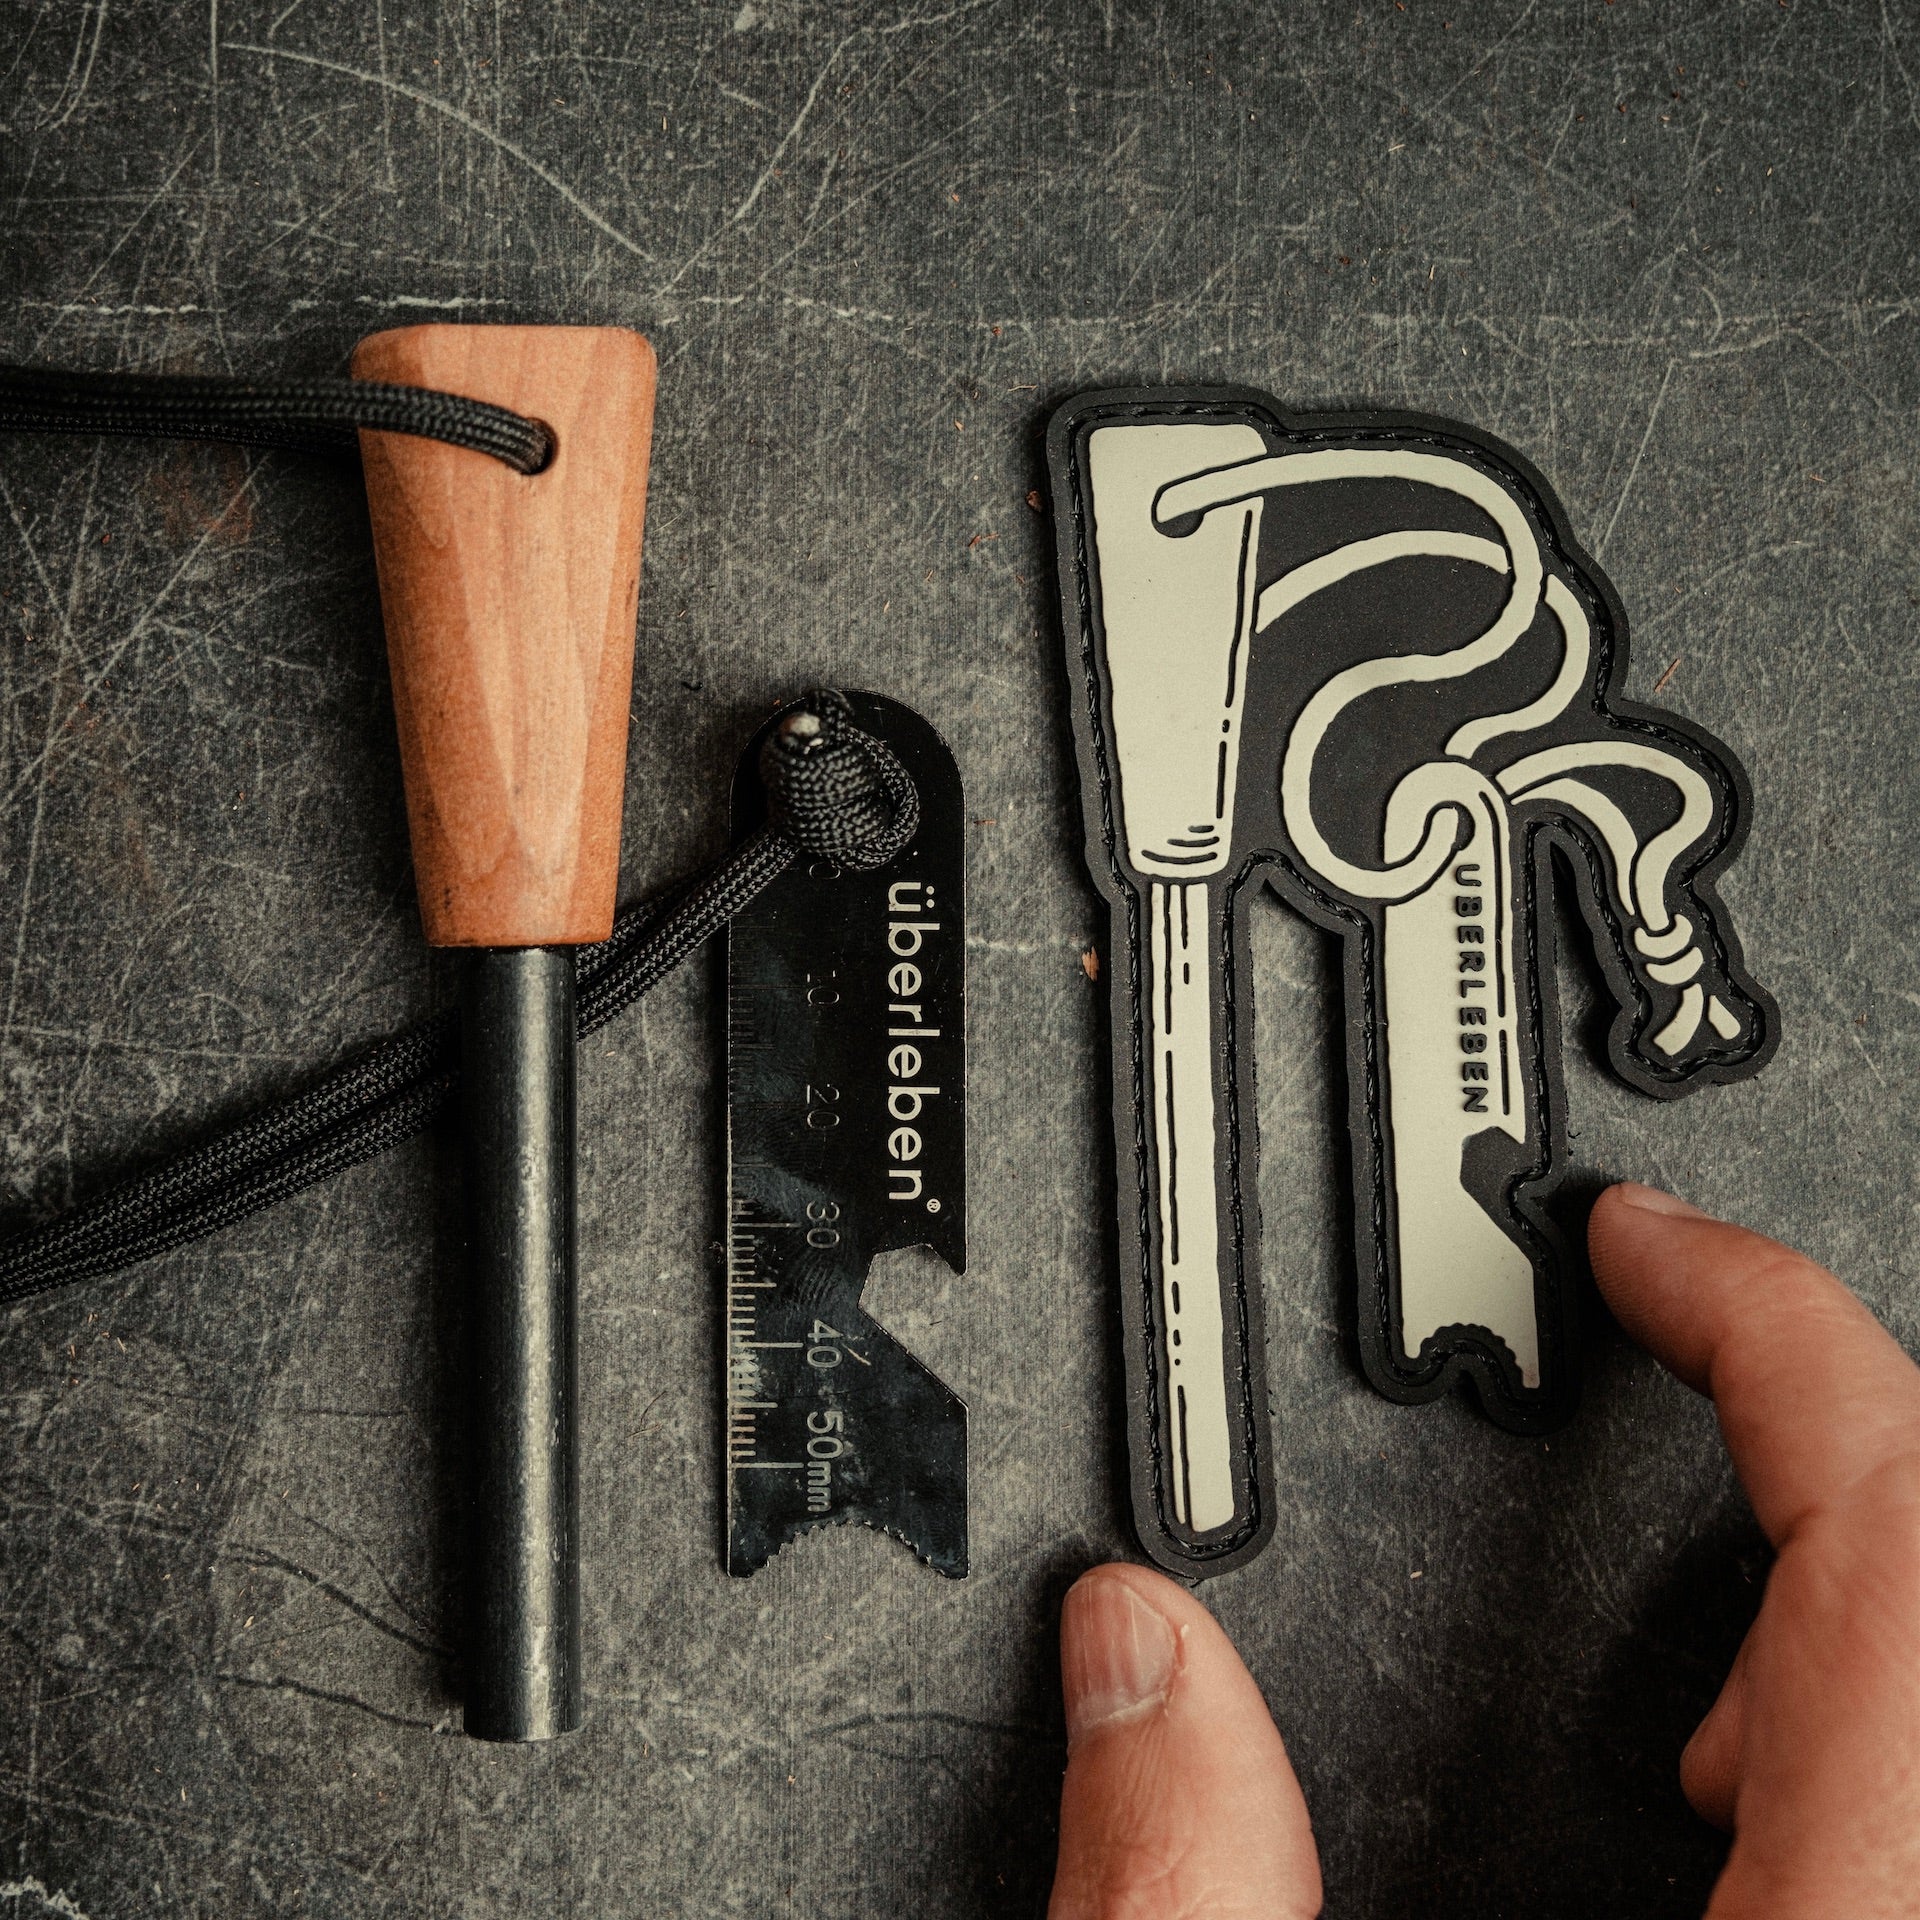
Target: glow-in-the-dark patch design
1361, 658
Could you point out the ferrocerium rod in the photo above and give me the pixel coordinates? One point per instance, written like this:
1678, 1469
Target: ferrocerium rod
517, 1125
509, 607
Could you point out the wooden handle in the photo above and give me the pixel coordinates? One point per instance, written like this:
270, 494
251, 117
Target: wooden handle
509, 602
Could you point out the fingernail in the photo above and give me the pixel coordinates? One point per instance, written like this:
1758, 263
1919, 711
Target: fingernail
1656, 1200
1117, 1656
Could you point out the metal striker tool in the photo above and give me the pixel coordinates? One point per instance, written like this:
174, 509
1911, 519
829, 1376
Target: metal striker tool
509, 606
846, 1138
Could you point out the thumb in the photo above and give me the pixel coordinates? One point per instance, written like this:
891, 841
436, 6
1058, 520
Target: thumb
1711, 1765
1178, 1797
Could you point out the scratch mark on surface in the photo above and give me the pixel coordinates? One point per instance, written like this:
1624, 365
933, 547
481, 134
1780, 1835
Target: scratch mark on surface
1861, 1047
1633, 472
213, 79
1065, 943
149, 616
86, 72
87, 307
386, 88
917, 159
450, 303
913, 22
585, 209
133, 227
280, 1683
265, 1558
1899, 65
754, 192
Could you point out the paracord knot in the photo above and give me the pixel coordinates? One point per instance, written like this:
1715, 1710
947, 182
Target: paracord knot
835, 790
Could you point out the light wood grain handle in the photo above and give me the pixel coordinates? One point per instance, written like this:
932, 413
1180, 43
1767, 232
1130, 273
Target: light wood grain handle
509, 603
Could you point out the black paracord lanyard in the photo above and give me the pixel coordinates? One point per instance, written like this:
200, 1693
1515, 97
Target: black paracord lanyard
835, 792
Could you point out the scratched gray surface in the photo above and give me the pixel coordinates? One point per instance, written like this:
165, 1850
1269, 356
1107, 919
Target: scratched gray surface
1671, 259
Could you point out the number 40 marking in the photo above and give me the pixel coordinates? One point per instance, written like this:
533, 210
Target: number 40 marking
823, 1354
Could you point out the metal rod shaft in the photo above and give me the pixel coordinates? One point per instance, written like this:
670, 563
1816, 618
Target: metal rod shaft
517, 1104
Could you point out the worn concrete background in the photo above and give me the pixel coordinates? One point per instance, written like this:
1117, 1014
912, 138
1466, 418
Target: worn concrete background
1667, 252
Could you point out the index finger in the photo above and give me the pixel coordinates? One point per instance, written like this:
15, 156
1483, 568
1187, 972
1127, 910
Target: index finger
1812, 1392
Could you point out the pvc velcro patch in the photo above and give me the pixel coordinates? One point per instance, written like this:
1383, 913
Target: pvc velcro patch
1360, 658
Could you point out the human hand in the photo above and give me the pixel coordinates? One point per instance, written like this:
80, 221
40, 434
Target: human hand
1179, 1801
1811, 1754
